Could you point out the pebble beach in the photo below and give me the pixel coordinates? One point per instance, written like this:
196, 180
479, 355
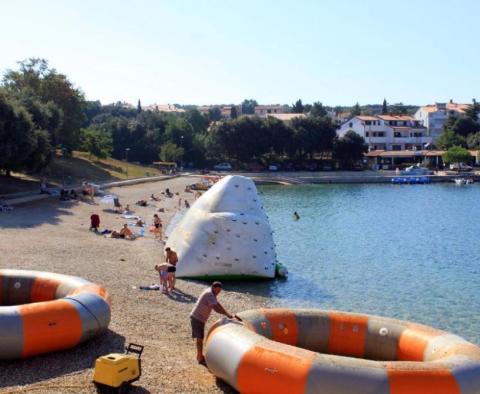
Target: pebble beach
54, 236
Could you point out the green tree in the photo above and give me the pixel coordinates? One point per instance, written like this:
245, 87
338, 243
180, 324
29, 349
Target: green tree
248, 106
456, 154
356, 110
214, 114
349, 149
448, 139
97, 143
473, 110
384, 107
318, 110
473, 140
233, 112
313, 135
18, 139
171, 152
139, 106
464, 126
297, 108
35, 79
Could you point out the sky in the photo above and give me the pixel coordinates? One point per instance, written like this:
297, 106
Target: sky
201, 52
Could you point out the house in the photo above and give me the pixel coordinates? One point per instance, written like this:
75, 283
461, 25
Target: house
388, 132
226, 111
435, 115
264, 110
286, 117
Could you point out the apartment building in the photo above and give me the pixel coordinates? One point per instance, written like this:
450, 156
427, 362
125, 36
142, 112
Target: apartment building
388, 132
434, 116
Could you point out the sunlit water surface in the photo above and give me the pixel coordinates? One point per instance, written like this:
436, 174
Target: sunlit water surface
408, 252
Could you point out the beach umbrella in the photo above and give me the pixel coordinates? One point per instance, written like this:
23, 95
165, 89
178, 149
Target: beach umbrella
108, 199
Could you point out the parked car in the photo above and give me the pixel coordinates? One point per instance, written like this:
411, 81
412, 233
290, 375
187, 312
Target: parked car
460, 167
222, 167
416, 170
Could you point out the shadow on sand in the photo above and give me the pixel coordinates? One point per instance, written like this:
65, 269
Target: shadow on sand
180, 296
42, 212
37, 369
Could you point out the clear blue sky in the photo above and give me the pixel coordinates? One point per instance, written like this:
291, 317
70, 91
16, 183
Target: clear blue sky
203, 52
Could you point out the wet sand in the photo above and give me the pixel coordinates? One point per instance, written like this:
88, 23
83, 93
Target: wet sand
53, 236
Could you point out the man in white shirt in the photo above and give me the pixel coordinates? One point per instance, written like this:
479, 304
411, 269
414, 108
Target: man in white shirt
201, 312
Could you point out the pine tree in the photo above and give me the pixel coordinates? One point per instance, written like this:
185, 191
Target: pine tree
473, 110
356, 110
233, 112
384, 107
139, 106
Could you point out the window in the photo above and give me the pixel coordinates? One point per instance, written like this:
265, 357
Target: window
368, 122
397, 134
350, 124
381, 134
367, 134
396, 147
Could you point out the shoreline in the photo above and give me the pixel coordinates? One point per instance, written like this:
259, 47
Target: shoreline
50, 235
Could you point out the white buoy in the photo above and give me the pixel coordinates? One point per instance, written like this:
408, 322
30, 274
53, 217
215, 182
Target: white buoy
225, 234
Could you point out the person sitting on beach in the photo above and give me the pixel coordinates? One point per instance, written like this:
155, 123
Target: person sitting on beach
124, 233
201, 312
187, 204
127, 210
171, 258
168, 193
162, 270
142, 203
153, 198
94, 222
139, 223
188, 189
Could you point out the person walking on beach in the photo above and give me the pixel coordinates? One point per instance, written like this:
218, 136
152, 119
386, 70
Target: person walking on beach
171, 258
201, 312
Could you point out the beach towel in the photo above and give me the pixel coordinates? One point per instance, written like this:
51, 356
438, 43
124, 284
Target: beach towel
134, 217
151, 287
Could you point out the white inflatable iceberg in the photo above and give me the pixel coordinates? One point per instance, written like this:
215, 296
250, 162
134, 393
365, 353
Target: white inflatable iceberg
225, 234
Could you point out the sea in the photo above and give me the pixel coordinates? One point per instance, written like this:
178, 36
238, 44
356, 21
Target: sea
410, 252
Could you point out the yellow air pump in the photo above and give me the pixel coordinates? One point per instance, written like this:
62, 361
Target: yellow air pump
116, 370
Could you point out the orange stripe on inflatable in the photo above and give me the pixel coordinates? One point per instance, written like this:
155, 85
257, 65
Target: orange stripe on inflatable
347, 334
49, 326
266, 370
94, 289
284, 325
421, 382
413, 342
43, 289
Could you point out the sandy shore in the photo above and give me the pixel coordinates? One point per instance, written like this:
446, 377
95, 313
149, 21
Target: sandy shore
53, 236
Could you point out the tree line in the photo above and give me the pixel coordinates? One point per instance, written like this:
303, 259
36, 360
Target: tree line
43, 113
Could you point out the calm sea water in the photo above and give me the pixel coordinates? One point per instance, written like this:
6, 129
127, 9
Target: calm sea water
408, 252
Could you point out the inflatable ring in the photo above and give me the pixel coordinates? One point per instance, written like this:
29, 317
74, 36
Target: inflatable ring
313, 351
43, 312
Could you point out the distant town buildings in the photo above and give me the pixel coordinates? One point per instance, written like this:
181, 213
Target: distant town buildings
163, 108
264, 110
434, 116
389, 132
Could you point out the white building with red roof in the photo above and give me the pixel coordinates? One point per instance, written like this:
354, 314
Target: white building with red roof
388, 132
434, 116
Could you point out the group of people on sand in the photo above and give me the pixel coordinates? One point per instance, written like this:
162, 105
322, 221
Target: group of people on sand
167, 271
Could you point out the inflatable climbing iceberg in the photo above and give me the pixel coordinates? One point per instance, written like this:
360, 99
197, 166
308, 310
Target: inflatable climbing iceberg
225, 234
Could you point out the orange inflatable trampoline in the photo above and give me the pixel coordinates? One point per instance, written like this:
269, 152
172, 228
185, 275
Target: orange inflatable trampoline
43, 312
313, 351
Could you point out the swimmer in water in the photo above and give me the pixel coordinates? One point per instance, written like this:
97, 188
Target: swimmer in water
296, 216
